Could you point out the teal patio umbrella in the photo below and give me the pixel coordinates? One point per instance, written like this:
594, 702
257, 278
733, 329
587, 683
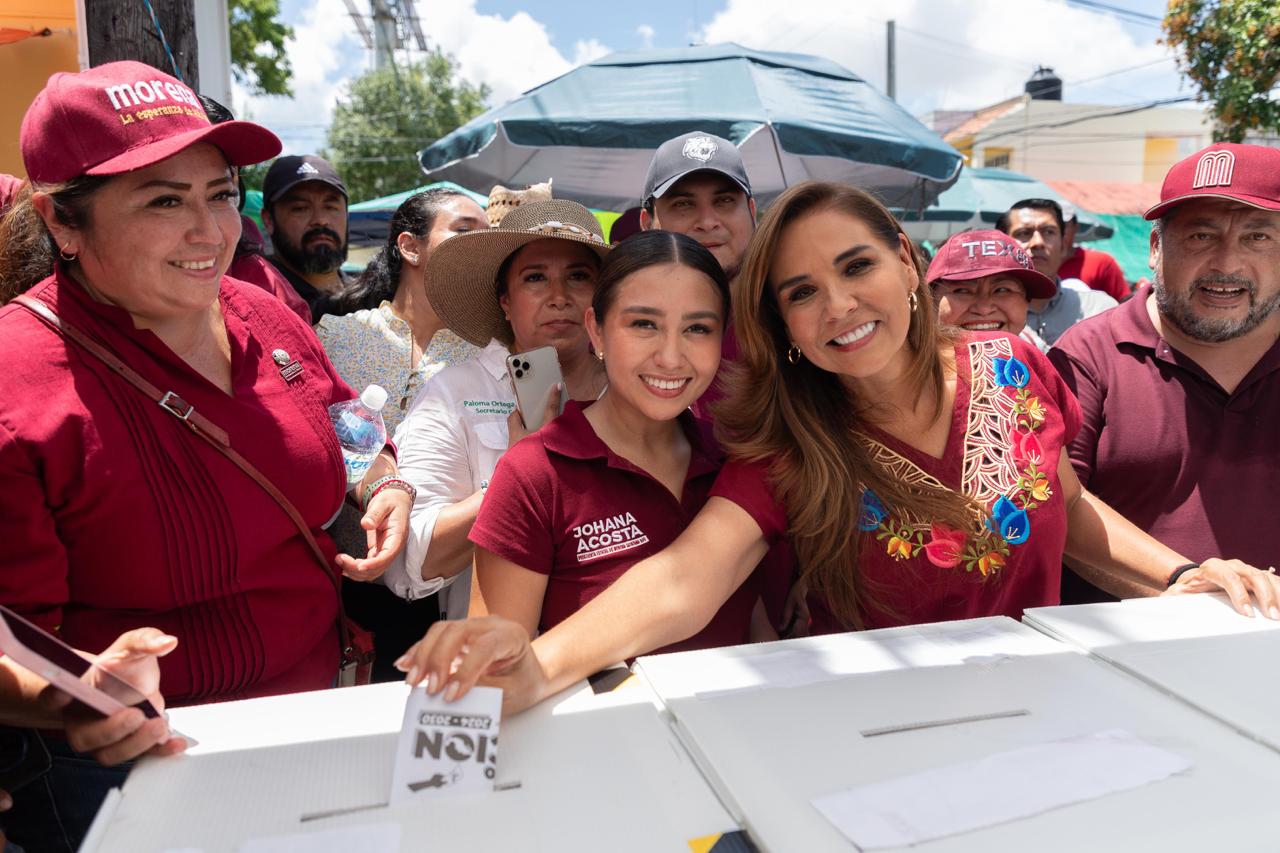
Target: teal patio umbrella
792, 116
367, 221
978, 198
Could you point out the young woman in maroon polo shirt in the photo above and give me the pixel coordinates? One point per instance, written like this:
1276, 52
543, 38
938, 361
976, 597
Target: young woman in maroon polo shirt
919, 469
609, 483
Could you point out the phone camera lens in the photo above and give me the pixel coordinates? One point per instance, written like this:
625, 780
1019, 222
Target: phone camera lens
525, 365
519, 373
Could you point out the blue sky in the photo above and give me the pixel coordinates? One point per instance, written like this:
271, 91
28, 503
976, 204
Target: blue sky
613, 23
952, 54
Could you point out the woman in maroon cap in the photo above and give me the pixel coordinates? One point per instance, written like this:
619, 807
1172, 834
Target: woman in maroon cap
919, 470
166, 457
984, 281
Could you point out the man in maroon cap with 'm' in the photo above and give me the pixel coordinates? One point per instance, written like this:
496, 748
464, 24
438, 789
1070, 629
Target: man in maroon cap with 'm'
1180, 386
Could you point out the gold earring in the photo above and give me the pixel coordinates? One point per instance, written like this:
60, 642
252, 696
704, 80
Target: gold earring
600, 355
62, 252
793, 354
913, 300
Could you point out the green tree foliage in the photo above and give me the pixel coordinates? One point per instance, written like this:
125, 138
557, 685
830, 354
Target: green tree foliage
258, 58
388, 115
1230, 50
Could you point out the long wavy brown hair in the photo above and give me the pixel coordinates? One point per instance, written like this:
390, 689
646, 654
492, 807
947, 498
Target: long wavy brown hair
805, 421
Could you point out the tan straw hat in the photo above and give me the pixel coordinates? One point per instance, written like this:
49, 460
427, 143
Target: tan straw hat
462, 272
502, 200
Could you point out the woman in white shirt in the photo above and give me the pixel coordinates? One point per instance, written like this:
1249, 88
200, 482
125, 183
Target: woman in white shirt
523, 285
393, 338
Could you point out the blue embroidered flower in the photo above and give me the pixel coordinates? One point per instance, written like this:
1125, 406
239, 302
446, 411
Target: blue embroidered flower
872, 512
1011, 372
1011, 523
1016, 527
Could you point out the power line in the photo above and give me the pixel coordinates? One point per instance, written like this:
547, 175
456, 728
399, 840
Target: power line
1118, 71
969, 50
1132, 108
1119, 11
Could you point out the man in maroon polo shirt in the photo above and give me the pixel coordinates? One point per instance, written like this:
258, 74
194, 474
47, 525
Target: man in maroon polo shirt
1180, 386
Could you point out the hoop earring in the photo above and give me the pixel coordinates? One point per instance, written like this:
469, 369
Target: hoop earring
913, 300
62, 253
793, 354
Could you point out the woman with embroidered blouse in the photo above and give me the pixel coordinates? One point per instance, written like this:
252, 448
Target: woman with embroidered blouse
918, 468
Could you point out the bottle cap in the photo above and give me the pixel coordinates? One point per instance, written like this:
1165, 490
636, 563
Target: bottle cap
374, 398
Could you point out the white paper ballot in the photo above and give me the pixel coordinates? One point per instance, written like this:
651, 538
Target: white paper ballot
447, 747
370, 838
996, 789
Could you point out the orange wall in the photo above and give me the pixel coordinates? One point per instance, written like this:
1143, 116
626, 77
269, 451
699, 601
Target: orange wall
26, 65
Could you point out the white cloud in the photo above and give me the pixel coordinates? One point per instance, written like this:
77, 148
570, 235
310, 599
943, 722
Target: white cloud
954, 55
325, 51
509, 55
588, 50
646, 34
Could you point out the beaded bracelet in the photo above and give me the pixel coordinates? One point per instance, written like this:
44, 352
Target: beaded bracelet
391, 481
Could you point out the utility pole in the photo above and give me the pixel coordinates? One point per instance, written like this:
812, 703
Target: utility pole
891, 89
124, 29
386, 38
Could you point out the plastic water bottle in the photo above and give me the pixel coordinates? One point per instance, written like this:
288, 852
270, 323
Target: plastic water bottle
360, 430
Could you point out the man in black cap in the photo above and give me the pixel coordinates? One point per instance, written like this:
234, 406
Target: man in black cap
697, 186
304, 209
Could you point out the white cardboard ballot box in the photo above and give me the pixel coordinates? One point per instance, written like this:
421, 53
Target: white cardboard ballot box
771, 744
580, 772
1194, 647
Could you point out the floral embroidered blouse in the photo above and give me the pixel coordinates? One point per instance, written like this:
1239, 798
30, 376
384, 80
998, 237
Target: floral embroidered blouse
375, 347
1011, 419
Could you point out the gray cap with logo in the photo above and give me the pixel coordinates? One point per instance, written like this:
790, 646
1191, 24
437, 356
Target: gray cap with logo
693, 152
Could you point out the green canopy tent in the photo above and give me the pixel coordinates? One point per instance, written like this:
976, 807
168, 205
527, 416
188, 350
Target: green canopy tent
1129, 243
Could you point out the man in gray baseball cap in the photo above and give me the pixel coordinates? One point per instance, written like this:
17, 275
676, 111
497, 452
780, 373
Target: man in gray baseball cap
697, 186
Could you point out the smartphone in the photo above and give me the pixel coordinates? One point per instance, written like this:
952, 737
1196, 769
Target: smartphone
532, 374
38, 651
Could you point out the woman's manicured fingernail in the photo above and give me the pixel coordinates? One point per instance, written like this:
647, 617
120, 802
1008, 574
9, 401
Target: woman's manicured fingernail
1275, 612
451, 692
402, 663
433, 684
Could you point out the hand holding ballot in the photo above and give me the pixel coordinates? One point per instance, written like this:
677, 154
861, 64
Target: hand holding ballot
454, 656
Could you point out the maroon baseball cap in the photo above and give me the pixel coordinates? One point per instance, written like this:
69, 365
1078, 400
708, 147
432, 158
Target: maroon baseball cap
975, 254
123, 116
1249, 174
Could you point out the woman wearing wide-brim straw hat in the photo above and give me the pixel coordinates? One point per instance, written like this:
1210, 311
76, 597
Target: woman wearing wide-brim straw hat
523, 285
462, 277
